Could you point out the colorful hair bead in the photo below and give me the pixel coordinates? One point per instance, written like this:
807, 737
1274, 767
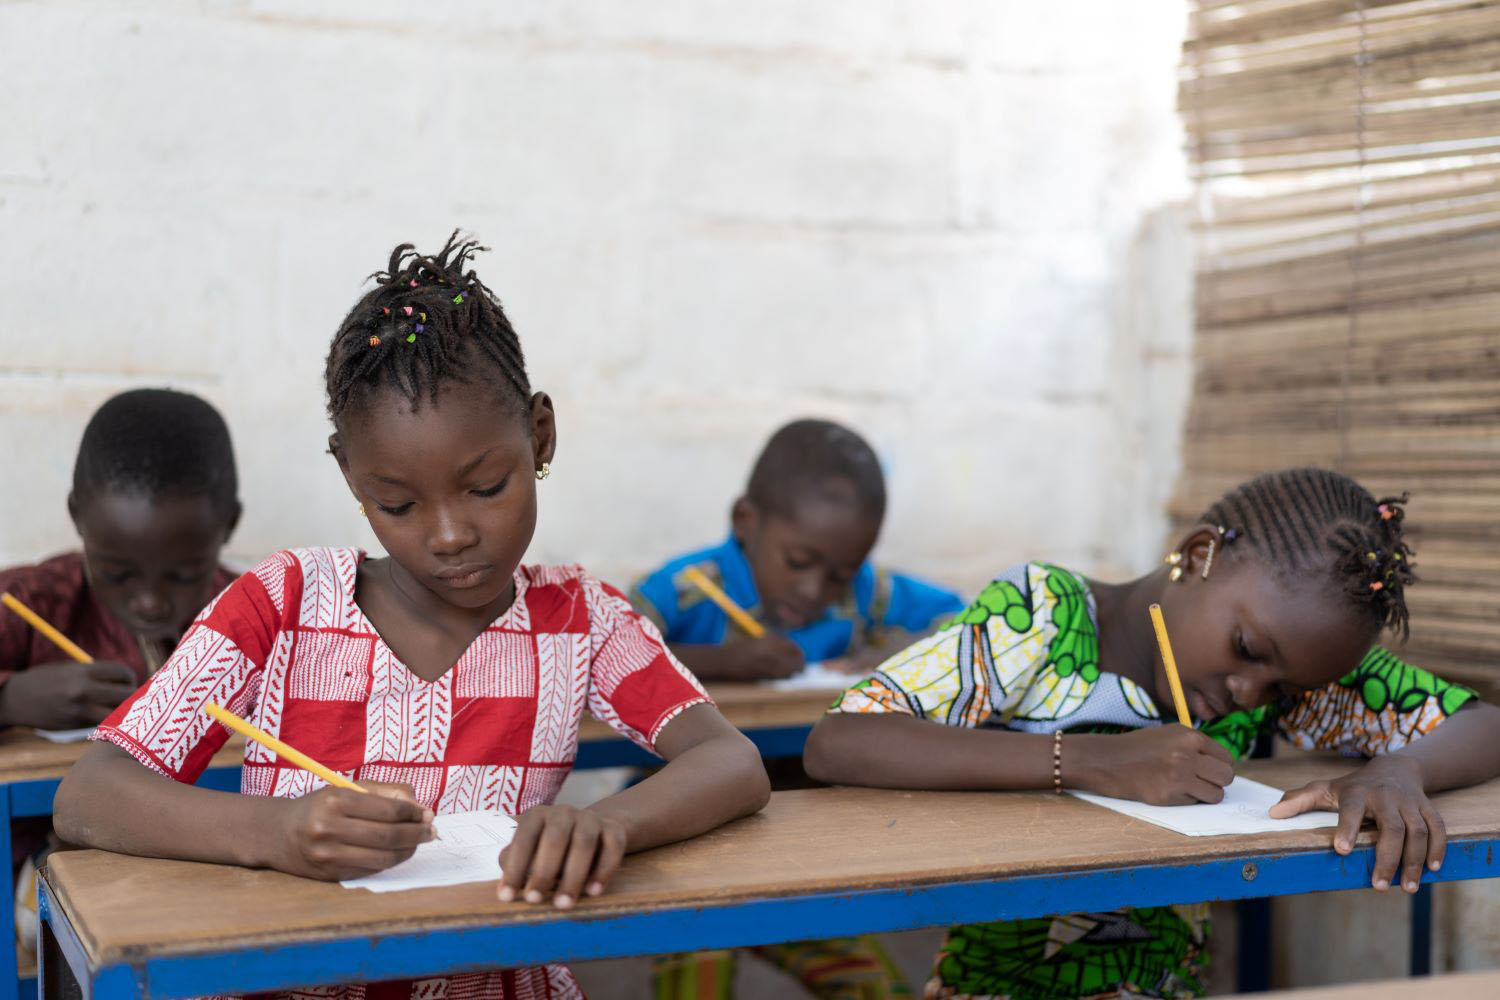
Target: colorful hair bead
1376, 585
422, 316
374, 341
406, 309
414, 282
458, 299
386, 311
411, 338
1385, 512
418, 328
1230, 535
1370, 556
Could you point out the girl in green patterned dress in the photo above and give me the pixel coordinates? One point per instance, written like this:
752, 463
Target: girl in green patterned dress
1274, 600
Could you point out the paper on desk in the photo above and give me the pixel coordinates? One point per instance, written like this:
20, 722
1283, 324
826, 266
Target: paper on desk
467, 850
815, 677
1243, 810
65, 735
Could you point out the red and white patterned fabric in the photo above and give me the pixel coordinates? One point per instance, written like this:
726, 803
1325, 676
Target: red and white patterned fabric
287, 647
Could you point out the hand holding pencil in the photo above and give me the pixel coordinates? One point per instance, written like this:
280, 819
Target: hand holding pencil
343, 830
67, 694
1164, 765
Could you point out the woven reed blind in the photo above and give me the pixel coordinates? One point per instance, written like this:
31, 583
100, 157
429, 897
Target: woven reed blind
1347, 158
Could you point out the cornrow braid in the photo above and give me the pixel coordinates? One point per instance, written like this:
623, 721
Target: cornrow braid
423, 324
1309, 519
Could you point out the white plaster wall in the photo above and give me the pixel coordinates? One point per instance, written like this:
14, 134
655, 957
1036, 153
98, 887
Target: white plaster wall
937, 220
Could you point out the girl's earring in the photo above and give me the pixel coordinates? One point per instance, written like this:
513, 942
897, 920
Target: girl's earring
362, 511
1174, 559
544, 471
1208, 563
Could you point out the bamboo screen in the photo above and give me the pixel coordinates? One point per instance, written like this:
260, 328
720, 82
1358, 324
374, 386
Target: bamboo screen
1347, 159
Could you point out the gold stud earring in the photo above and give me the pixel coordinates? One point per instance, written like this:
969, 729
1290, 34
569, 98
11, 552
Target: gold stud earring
362, 511
1174, 559
544, 471
1208, 563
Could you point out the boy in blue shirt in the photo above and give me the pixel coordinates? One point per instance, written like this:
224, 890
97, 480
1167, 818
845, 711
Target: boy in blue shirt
796, 561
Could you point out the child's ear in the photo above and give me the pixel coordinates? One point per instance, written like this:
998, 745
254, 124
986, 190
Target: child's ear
1195, 547
744, 519
543, 427
73, 507
233, 520
336, 449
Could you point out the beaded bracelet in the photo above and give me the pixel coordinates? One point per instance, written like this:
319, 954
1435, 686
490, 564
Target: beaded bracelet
1057, 761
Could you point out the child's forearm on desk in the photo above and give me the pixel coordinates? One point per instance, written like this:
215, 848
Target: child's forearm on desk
110, 801
1463, 750
714, 775
900, 751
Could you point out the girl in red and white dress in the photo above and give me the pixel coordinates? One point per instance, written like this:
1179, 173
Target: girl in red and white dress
446, 676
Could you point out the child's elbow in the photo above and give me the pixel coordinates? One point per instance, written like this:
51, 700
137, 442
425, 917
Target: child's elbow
67, 819
757, 783
821, 758
747, 772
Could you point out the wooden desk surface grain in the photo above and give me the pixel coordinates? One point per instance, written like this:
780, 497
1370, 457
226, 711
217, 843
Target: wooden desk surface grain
816, 840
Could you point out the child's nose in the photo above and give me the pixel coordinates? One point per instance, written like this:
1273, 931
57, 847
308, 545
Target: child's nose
151, 606
1247, 692
451, 534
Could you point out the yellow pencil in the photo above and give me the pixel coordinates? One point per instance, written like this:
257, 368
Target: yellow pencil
41, 625
1173, 680
279, 748
726, 603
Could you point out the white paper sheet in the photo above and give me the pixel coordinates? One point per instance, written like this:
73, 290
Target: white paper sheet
65, 735
467, 850
815, 677
1244, 810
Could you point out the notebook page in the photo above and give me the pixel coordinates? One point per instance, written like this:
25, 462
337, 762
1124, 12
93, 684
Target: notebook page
467, 850
1244, 810
815, 677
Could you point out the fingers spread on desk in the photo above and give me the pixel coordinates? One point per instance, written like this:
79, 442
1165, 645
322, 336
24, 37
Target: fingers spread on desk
579, 862
611, 852
551, 851
1313, 795
1437, 836
1414, 857
1390, 842
560, 853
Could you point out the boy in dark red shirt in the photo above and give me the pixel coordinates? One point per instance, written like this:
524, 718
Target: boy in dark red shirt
154, 498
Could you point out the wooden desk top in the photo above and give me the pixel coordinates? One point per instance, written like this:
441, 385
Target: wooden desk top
25, 756
809, 841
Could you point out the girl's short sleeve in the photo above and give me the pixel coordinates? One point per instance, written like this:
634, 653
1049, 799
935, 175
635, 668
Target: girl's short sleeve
1381, 706
219, 660
636, 685
978, 666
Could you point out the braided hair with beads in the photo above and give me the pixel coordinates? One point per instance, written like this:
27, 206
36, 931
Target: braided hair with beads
1308, 519
426, 322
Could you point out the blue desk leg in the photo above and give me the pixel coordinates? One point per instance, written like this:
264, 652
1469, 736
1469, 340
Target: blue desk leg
1421, 931
10, 986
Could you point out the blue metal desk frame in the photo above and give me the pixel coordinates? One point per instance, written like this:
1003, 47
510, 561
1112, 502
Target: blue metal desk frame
34, 798
756, 921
